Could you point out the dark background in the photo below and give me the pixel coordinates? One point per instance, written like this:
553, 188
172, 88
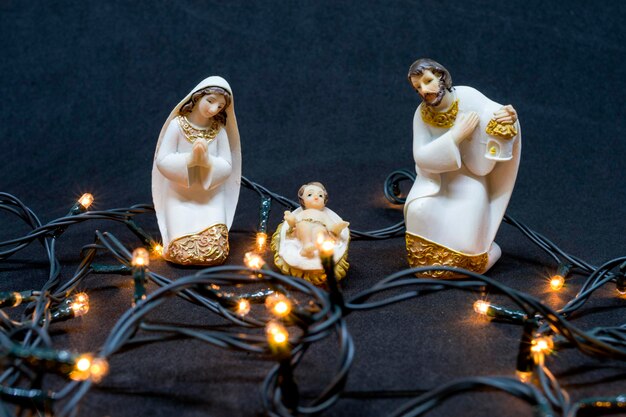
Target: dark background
320, 94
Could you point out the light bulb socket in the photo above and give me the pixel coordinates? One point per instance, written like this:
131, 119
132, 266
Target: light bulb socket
111, 269
525, 357
139, 232
15, 298
564, 270
264, 214
500, 313
61, 313
139, 279
77, 209
58, 361
288, 387
336, 296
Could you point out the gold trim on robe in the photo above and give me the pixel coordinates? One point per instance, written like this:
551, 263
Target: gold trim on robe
209, 247
422, 252
443, 119
501, 130
192, 133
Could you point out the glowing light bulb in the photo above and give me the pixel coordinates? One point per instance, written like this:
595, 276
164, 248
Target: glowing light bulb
99, 368
157, 249
277, 334
86, 200
79, 309
321, 237
325, 246
80, 372
524, 376
557, 282
543, 345
540, 347
87, 367
278, 304
261, 240
243, 307
83, 364
253, 260
141, 257
481, 307
281, 308
81, 297
279, 337
80, 304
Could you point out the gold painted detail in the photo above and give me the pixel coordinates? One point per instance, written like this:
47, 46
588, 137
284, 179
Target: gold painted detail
440, 119
209, 247
501, 130
316, 277
422, 252
291, 230
191, 133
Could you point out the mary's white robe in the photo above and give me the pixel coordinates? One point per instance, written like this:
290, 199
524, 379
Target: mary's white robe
195, 206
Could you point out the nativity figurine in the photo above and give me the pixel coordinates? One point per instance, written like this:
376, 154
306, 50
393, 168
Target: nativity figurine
296, 241
196, 175
466, 149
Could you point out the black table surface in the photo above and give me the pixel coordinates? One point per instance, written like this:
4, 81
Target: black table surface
320, 94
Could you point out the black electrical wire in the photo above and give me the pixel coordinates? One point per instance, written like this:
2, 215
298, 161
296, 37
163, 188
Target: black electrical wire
428, 401
209, 288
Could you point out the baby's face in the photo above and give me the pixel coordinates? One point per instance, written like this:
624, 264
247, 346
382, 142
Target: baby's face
313, 197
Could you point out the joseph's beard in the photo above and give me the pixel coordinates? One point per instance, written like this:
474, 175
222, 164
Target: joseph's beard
437, 100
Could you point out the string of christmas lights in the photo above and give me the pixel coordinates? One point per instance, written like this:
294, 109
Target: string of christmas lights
276, 316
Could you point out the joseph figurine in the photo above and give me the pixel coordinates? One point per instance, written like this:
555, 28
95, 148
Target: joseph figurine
466, 150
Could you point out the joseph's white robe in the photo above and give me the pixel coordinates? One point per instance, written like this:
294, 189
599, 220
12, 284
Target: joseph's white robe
459, 196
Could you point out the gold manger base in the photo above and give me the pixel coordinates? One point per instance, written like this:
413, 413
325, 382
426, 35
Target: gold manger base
316, 277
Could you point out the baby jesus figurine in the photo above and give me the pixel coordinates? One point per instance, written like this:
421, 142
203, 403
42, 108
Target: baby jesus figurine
312, 223
295, 241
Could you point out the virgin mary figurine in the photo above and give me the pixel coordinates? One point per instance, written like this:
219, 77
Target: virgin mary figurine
196, 175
